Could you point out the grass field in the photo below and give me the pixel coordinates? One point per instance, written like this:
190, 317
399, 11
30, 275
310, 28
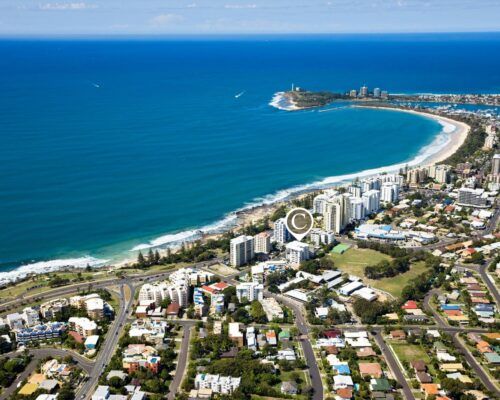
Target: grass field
412, 352
409, 352
40, 283
354, 261
222, 269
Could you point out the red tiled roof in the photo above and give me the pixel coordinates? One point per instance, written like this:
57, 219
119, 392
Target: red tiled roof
344, 393
78, 338
208, 289
410, 305
331, 333
173, 309
220, 285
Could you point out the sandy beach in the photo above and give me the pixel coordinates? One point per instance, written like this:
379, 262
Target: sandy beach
457, 133
456, 130
457, 136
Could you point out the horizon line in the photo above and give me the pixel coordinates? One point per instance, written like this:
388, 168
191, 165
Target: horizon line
104, 35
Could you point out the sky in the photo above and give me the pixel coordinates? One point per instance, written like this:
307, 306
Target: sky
180, 17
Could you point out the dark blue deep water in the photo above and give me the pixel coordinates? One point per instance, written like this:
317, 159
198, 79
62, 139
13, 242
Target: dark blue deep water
106, 145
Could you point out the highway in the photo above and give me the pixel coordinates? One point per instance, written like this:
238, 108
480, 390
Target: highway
98, 284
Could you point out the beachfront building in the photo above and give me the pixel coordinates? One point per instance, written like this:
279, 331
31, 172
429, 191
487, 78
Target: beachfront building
355, 190
281, 234
441, 173
241, 250
319, 203
262, 243
416, 176
250, 291
296, 252
371, 201
370, 184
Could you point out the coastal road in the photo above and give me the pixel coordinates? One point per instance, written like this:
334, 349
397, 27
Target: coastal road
182, 360
393, 365
97, 284
481, 373
109, 346
303, 328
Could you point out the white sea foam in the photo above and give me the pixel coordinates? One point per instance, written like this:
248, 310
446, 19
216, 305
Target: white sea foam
49, 266
280, 102
230, 220
171, 240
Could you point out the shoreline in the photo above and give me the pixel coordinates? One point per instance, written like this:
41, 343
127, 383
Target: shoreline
260, 207
460, 133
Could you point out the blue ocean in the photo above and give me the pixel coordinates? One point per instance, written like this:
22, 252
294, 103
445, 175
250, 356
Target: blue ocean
109, 146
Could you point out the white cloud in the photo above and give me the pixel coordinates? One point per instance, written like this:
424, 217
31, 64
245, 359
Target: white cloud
192, 5
240, 6
166, 19
66, 6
